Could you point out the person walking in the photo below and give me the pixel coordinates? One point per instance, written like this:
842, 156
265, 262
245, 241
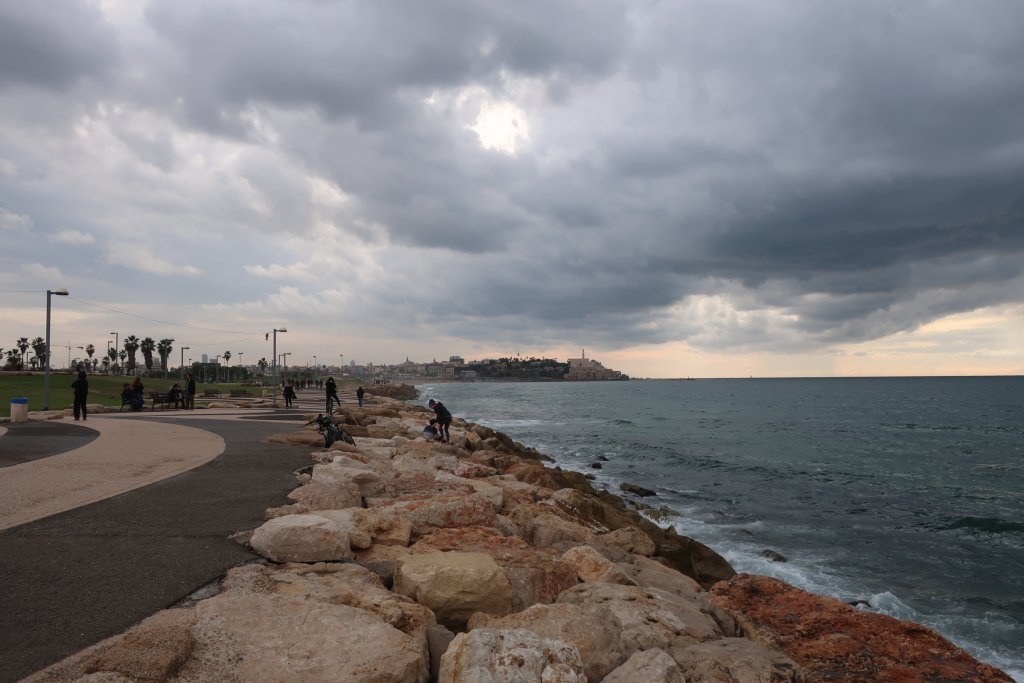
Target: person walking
444, 419
332, 393
359, 395
289, 394
190, 393
81, 387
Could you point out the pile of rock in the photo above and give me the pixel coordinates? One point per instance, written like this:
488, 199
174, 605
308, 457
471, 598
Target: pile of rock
411, 561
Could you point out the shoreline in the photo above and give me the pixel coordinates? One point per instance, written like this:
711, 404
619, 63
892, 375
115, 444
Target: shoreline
414, 519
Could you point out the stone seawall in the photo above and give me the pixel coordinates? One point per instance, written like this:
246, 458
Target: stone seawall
404, 560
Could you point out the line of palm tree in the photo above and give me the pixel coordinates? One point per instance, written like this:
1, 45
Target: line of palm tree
131, 345
164, 348
39, 348
23, 346
147, 346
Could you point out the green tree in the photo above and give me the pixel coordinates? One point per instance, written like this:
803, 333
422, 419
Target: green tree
164, 348
111, 359
123, 355
13, 360
147, 346
131, 345
39, 349
23, 346
89, 350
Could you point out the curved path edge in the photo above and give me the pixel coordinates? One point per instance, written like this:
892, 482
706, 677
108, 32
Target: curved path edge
115, 462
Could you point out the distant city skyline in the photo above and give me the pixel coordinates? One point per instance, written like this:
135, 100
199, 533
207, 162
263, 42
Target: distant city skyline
691, 189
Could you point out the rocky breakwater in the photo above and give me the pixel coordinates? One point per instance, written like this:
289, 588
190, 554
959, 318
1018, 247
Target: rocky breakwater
403, 560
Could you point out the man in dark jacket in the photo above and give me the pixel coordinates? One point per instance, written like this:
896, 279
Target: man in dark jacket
332, 394
359, 395
190, 393
81, 387
444, 419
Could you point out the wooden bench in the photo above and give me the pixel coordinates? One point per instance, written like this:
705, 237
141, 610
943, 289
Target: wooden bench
240, 393
211, 393
159, 399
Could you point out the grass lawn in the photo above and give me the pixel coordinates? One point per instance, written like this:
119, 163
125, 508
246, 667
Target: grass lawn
103, 389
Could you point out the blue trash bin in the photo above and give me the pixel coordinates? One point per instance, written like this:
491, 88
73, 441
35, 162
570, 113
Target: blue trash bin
19, 409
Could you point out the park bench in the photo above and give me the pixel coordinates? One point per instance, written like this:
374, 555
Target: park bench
159, 399
240, 393
211, 393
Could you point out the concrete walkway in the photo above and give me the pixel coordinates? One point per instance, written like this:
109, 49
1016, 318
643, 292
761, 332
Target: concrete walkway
130, 523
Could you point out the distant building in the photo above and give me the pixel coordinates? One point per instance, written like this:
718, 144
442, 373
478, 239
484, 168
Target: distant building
587, 369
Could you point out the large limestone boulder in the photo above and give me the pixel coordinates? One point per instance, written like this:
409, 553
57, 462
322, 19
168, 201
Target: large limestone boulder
651, 666
455, 585
367, 481
735, 660
321, 496
649, 573
488, 655
594, 630
588, 564
269, 637
301, 538
536, 574
630, 539
650, 618
352, 522
153, 650
444, 510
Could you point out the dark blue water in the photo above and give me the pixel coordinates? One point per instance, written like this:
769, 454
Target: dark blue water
907, 493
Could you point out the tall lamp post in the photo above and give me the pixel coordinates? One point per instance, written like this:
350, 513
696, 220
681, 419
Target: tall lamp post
274, 370
342, 373
182, 369
46, 361
240, 363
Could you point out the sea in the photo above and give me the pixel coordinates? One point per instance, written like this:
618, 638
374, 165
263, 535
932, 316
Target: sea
901, 495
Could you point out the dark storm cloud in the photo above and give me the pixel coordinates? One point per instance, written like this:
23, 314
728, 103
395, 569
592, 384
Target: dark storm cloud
739, 174
53, 45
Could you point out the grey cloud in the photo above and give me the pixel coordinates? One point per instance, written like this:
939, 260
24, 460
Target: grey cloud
54, 45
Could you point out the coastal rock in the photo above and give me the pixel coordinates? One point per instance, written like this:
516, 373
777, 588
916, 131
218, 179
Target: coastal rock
588, 564
444, 510
488, 655
650, 618
649, 573
637, 490
695, 559
468, 469
833, 641
773, 555
736, 660
302, 438
154, 650
301, 538
336, 474
285, 638
630, 539
650, 666
455, 585
352, 522
335, 496
594, 630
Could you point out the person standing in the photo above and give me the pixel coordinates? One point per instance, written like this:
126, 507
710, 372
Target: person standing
359, 395
332, 393
81, 387
444, 419
190, 393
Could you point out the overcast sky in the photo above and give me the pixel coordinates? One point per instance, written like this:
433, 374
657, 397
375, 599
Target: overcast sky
691, 188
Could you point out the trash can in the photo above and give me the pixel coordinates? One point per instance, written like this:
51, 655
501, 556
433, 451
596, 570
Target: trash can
19, 410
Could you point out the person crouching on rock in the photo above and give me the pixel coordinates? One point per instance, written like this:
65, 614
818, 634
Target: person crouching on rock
430, 432
444, 419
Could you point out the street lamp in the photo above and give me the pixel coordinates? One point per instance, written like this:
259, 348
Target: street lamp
240, 363
46, 361
182, 368
274, 370
342, 364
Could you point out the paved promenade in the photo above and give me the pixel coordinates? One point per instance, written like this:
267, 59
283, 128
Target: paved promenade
109, 521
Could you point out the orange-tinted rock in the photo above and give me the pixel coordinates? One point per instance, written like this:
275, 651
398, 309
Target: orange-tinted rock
835, 642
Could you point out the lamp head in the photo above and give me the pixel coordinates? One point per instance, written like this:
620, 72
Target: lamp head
60, 292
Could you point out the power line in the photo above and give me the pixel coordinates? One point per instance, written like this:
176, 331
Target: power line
162, 322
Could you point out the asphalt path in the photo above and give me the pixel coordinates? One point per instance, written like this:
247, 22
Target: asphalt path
27, 441
72, 579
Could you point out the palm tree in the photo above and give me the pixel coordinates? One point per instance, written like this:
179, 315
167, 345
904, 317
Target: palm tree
262, 363
23, 347
131, 345
89, 350
147, 347
227, 367
111, 357
39, 348
164, 348
13, 359
123, 355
